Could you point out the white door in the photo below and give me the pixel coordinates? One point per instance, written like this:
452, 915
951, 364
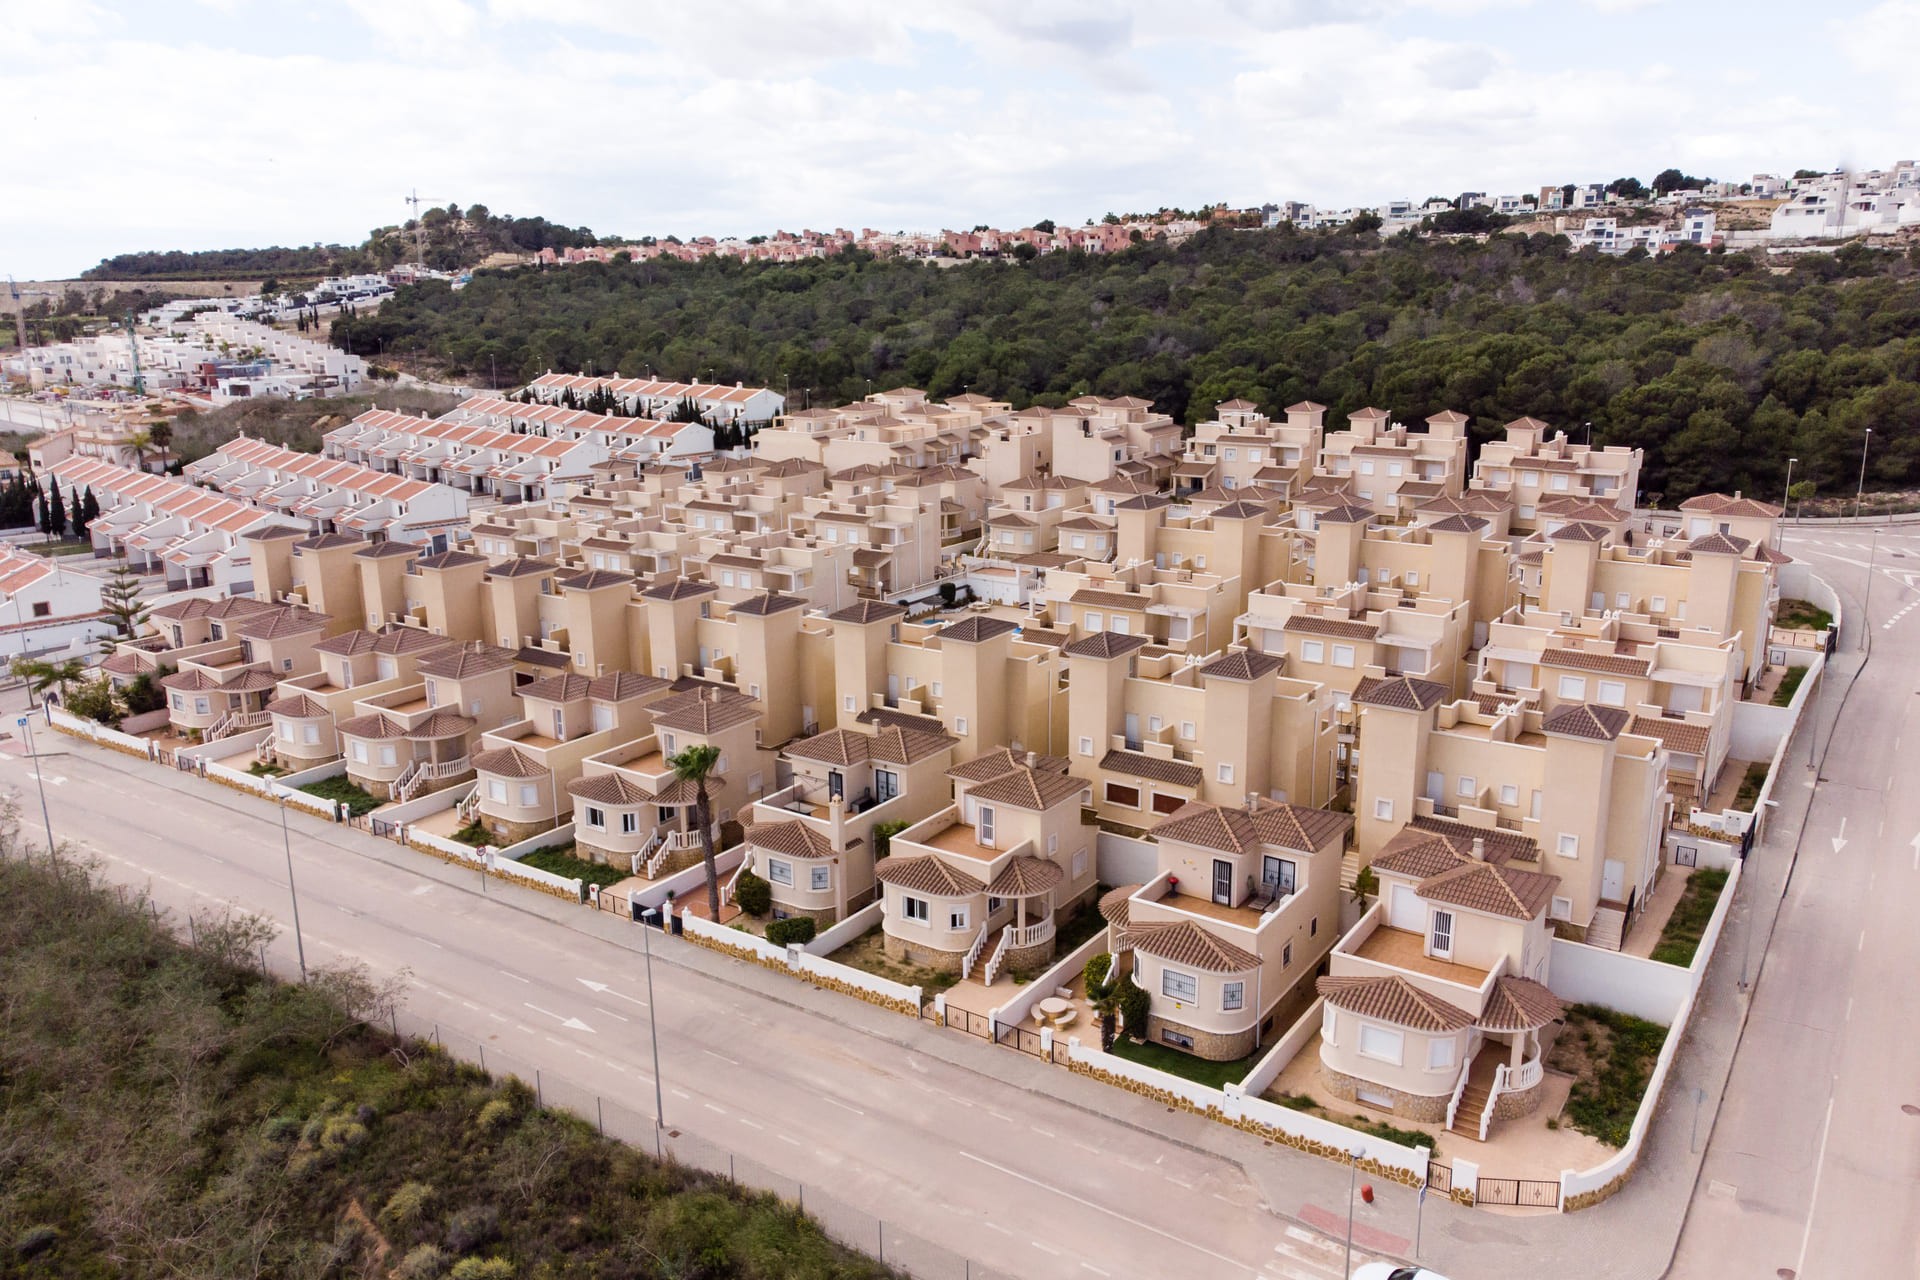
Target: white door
1404, 910
1613, 880
1440, 940
1436, 786
1132, 730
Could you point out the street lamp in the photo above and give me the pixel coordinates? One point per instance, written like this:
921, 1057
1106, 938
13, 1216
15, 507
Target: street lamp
1861, 489
286, 842
1353, 1174
1785, 498
653, 1027
26, 722
1866, 600
1589, 440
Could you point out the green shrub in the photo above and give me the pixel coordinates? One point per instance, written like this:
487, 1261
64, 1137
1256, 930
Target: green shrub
497, 1114
408, 1204
342, 1134
483, 1269
36, 1240
343, 791
794, 932
1789, 685
754, 895
1098, 967
1365, 885
473, 1228
423, 1262
883, 834
1135, 1006
1680, 939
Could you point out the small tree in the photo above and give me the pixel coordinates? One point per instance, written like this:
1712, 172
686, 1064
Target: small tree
120, 601
94, 700
1135, 1007
754, 895
1103, 993
144, 694
696, 764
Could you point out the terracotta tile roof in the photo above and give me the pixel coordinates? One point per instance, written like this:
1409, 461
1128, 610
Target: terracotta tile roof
1138, 765
1234, 830
1041, 635
373, 725
249, 681
1519, 1004
791, 838
297, 707
595, 580
977, 629
1346, 513
1242, 509
609, 788
1106, 644
1459, 524
1677, 735
1345, 629
529, 656
387, 550
508, 762
1025, 788
1617, 664
329, 541
1185, 943
407, 640
1720, 504
460, 662
521, 567
619, 686
1242, 664
450, 560
1580, 531
895, 745
685, 791
1574, 507
835, 746
1724, 544
701, 712
865, 611
1500, 843
1497, 890
1586, 720
991, 764
901, 720
1026, 877
678, 589
1472, 502
1418, 855
923, 873
1402, 693
1391, 998
1112, 599
1144, 502
1114, 907
444, 724
285, 622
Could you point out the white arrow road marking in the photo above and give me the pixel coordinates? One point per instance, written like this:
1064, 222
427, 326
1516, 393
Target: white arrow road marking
572, 1024
1840, 841
602, 989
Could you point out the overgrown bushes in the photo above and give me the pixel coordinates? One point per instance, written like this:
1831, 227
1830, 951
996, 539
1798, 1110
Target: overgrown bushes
793, 932
1681, 936
1611, 1057
753, 895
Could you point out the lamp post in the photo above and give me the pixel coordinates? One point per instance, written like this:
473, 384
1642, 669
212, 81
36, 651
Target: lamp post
1861, 489
1866, 600
1589, 440
1353, 1175
653, 1027
286, 843
26, 722
1786, 496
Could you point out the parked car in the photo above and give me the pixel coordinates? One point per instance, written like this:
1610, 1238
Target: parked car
1387, 1271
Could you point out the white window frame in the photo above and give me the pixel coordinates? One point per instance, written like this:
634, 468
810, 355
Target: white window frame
912, 908
1383, 1044
1440, 1053
1086, 746
1509, 793
1574, 687
1223, 772
1568, 845
1313, 651
956, 919
529, 795
820, 878
779, 871
596, 818
1343, 655
1611, 693
1467, 786
1382, 809
1183, 988
1233, 996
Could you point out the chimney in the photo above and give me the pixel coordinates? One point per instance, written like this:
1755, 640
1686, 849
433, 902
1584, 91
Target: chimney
1253, 800
1479, 848
1033, 760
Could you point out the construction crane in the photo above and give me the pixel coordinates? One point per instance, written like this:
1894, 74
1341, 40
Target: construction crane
19, 316
419, 246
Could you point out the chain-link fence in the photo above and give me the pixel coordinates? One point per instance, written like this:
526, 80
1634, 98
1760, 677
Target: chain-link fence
900, 1248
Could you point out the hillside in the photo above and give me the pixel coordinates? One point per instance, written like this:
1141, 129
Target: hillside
1720, 367
164, 1111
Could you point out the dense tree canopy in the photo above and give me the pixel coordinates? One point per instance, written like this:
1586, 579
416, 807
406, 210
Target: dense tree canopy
1718, 365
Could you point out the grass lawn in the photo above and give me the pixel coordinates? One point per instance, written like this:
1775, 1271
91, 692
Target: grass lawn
867, 952
1611, 1056
1681, 938
1799, 615
1185, 1065
1307, 1103
1749, 793
560, 861
215, 1123
474, 833
1783, 696
58, 548
261, 769
358, 802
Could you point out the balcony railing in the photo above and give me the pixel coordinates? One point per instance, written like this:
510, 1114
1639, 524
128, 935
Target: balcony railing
1032, 935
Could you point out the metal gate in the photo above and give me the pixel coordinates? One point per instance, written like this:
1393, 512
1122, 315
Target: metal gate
1439, 1177
1686, 855
1527, 1192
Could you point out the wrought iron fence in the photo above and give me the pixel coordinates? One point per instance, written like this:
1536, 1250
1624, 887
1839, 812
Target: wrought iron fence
1439, 1177
1531, 1193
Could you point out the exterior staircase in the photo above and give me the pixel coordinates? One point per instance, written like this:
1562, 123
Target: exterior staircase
1478, 1094
1609, 925
1349, 870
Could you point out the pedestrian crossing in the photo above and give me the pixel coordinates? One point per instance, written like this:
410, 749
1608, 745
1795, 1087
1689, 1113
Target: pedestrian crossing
1300, 1254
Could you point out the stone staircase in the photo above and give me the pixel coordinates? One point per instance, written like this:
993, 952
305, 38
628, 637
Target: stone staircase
1349, 870
1473, 1099
1609, 925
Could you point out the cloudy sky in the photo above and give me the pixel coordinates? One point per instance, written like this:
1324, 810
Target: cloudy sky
190, 124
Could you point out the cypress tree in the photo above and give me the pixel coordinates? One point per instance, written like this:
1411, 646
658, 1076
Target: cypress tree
56, 512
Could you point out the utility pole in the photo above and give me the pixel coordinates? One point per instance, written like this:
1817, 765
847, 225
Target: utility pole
1785, 498
286, 842
653, 1026
26, 722
1861, 489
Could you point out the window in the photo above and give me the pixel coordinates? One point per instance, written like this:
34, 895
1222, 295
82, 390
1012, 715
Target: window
629, 823
983, 824
1467, 786
669, 747
529, 795
1118, 793
1613, 693
1439, 1054
1053, 843
1381, 1043
1178, 1039
1509, 794
388, 756
1657, 605
1569, 846
960, 725
1224, 773
820, 879
1233, 995
914, 909
1413, 577
286, 732
201, 707
1343, 655
310, 733
596, 818
1313, 927
1186, 730
1313, 651
1086, 746
1093, 621
936, 688
957, 919
1175, 985
1286, 955
1574, 687
1079, 863
779, 872
360, 753
886, 785
1383, 809
848, 701
1562, 908
496, 790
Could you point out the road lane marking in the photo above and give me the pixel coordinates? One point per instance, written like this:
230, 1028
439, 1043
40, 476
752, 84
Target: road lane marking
709, 1106
516, 977
1097, 1207
843, 1106
678, 1094
1819, 1166
570, 1023
749, 1123
496, 1017
1044, 1248
611, 1014
1096, 1270
723, 1057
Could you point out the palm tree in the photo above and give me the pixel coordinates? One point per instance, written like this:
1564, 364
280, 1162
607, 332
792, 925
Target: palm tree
696, 764
41, 676
1105, 999
140, 440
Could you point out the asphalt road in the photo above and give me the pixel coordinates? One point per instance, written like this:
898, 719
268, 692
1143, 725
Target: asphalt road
885, 1114
1813, 1168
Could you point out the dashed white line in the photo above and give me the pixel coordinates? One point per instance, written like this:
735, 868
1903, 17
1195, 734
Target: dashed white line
496, 1017
1862, 946
471, 1005
681, 1094
843, 1106
749, 1123
516, 977
994, 1226
790, 1141
1044, 1248
1096, 1270
709, 1106
723, 1057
